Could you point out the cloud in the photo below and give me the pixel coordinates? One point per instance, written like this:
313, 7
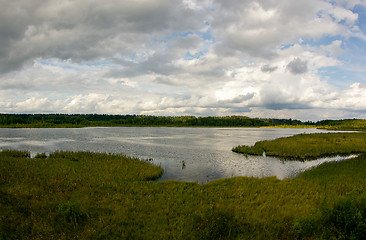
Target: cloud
268, 68
333, 49
297, 66
354, 97
178, 57
88, 30
34, 104
256, 28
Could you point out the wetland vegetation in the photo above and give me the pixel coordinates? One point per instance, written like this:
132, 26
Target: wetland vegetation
309, 146
84, 195
87, 195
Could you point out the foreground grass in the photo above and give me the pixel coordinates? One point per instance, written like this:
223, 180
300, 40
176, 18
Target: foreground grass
309, 146
100, 196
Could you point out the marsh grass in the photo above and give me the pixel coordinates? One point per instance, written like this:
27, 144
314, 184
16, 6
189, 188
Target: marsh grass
308, 146
104, 196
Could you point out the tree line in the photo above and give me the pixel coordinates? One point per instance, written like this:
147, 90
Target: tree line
137, 120
85, 120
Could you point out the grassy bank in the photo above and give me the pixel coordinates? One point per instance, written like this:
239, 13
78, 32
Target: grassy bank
309, 146
101, 196
344, 125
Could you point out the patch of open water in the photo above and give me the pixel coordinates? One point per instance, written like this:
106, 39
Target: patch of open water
187, 154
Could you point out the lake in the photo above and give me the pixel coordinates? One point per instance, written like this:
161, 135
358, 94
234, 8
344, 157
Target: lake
188, 154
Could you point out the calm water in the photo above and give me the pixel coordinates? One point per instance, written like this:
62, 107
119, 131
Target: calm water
189, 154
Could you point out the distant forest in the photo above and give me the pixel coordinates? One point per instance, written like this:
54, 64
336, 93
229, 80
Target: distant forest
93, 120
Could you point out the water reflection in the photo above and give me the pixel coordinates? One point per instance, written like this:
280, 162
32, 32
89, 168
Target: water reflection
188, 154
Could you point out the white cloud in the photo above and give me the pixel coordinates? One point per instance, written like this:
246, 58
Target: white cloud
177, 57
352, 98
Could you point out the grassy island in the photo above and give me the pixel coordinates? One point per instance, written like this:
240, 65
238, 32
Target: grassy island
86, 195
309, 146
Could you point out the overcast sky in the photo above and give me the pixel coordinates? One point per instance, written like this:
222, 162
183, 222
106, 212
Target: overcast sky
303, 59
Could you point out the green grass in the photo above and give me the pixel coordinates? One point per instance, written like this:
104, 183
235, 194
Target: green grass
101, 196
309, 146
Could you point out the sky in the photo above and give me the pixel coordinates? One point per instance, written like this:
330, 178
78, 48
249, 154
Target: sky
303, 59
